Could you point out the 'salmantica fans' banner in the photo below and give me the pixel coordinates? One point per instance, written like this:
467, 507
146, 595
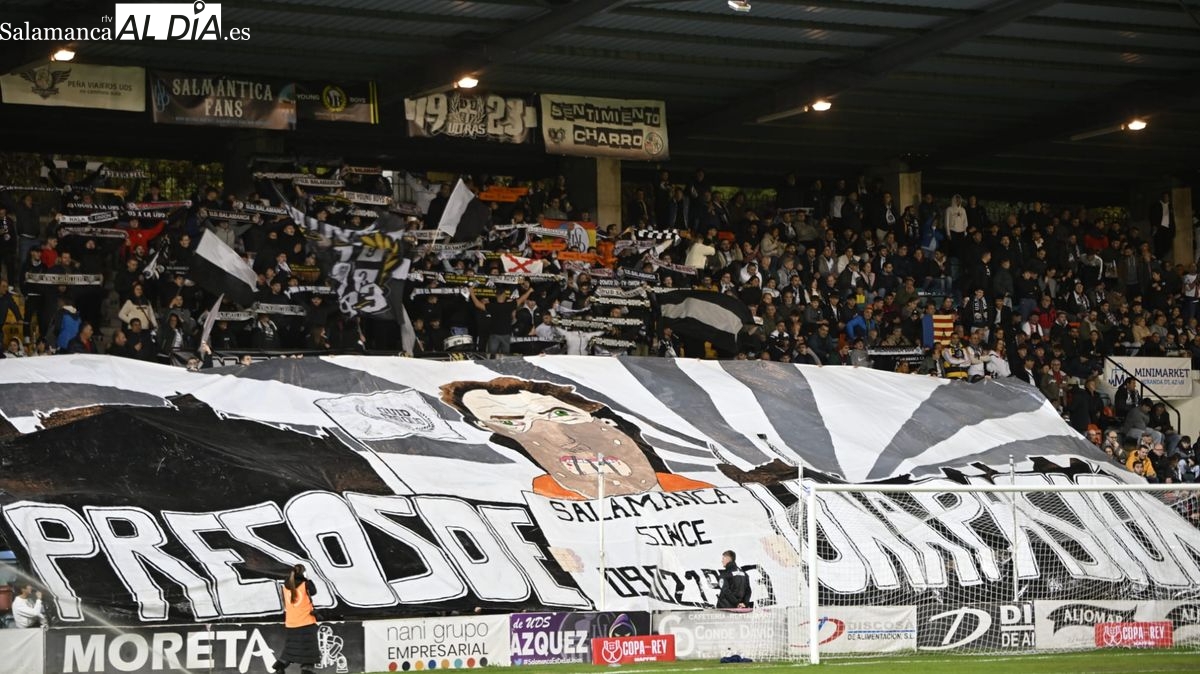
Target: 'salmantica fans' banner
337, 102
475, 116
222, 100
76, 85
141, 493
605, 127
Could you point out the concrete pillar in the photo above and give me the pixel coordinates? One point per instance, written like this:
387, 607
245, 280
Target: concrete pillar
908, 189
1185, 247
608, 192
244, 145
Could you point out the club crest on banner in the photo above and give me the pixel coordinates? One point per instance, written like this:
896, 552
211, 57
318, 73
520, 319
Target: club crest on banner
45, 80
387, 415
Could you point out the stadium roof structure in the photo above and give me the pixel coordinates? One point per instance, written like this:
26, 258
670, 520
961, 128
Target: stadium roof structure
976, 93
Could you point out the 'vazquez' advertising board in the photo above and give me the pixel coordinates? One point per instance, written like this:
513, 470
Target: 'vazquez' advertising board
562, 637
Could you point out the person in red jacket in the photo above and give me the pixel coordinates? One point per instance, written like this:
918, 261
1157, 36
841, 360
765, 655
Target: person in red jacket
141, 236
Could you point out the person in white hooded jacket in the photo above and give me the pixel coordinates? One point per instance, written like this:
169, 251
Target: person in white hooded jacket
955, 220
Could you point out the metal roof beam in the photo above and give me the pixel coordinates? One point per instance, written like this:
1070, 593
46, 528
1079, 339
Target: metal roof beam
1111, 109
500, 48
792, 96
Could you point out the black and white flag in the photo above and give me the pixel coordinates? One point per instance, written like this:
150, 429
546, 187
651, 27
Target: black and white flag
710, 316
219, 269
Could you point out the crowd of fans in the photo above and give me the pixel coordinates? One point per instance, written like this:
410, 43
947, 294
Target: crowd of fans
833, 274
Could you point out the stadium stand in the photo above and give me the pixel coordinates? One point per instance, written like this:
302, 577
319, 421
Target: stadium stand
831, 276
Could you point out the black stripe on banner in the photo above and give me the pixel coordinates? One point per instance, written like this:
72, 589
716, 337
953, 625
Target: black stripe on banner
788, 401
22, 400
1020, 450
665, 381
940, 416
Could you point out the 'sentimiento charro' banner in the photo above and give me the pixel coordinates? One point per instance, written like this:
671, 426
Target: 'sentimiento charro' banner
76, 85
471, 115
222, 100
605, 127
413, 486
337, 102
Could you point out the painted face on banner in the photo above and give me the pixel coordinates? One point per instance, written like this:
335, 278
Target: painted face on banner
565, 441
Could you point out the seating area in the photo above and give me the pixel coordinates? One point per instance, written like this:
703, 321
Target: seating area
830, 272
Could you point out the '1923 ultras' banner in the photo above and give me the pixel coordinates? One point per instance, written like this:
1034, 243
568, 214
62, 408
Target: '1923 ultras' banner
137, 492
223, 100
475, 116
337, 102
76, 85
604, 127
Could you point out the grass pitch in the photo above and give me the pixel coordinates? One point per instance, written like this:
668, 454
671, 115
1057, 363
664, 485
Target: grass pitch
1097, 662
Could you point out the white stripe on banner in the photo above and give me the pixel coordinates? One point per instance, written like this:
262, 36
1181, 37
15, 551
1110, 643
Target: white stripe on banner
220, 254
613, 380
987, 434
849, 397
745, 415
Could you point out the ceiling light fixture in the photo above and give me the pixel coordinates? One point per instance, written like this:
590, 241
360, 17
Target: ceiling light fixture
1136, 124
63, 54
467, 82
821, 105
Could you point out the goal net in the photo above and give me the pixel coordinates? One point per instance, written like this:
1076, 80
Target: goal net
1021, 565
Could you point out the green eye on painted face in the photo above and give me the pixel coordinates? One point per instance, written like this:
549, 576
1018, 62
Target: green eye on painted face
559, 413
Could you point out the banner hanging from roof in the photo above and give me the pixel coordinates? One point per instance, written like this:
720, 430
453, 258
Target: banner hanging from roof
223, 100
407, 485
76, 85
605, 127
470, 115
337, 102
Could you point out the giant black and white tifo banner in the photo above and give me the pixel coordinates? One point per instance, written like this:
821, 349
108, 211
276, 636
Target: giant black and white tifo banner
605, 127
143, 493
471, 115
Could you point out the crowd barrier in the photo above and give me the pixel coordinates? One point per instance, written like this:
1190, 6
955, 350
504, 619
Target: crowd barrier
479, 640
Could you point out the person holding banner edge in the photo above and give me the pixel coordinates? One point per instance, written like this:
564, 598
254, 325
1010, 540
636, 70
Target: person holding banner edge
300, 621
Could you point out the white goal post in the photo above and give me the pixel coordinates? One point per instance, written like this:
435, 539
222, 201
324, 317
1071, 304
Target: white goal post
1044, 563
